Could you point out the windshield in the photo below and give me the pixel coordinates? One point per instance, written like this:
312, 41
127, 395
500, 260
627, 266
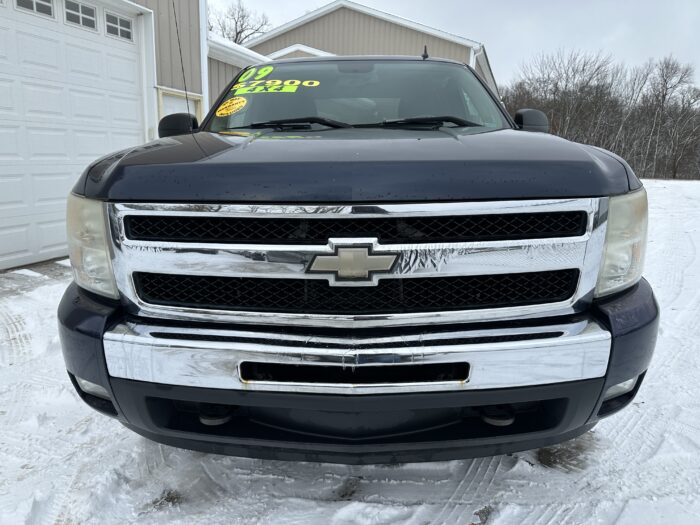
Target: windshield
356, 92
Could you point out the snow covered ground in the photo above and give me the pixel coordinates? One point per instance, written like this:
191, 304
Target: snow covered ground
60, 462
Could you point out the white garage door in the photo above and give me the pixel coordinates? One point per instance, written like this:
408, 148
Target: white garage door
70, 91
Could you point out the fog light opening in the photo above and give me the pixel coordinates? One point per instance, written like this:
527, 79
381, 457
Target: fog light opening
93, 389
620, 389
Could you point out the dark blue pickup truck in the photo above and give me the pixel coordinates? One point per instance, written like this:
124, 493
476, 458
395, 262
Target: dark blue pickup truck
358, 260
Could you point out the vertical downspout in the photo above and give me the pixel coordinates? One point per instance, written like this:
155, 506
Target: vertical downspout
204, 54
146, 30
472, 56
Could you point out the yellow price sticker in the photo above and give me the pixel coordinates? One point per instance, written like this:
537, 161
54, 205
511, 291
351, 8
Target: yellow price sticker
231, 106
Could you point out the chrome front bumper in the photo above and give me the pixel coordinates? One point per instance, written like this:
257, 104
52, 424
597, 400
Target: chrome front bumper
211, 358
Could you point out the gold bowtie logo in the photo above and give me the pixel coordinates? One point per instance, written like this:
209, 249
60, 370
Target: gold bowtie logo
356, 263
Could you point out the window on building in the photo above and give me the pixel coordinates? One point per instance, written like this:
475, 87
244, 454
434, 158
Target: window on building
81, 14
43, 7
119, 27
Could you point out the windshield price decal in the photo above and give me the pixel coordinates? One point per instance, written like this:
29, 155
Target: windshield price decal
272, 86
231, 106
264, 71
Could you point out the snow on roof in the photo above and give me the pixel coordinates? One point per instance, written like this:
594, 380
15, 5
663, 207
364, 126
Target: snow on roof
221, 48
304, 49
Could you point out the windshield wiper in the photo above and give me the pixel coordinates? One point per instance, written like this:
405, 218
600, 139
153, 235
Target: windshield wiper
291, 122
412, 121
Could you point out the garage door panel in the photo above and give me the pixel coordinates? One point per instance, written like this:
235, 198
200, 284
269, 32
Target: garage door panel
49, 190
88, 106
28, 238
39, 189
44, 101
90, 144
10, 149
38, 54
123, 72
51, 235
9, 98
84, 65
16, 240
4, 44
45, 143
15, 192
123, 140
125, 111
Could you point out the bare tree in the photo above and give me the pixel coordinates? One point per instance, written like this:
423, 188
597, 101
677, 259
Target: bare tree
650, 115
237, 23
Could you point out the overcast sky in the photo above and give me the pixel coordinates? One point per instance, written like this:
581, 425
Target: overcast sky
516, 30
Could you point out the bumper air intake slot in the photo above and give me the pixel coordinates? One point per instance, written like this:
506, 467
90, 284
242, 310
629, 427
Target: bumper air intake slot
365, 375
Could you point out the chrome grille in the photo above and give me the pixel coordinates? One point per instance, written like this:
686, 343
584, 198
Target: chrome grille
226, 277
265, 230
389, 296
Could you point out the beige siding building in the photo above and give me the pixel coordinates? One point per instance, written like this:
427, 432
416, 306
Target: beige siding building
347, 28
168, 68
209, 61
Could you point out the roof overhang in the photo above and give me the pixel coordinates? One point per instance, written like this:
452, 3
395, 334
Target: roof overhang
338, 4
127, 6
235, 54
312, 51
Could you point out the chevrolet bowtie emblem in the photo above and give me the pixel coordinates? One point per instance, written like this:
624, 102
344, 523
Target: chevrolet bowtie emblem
355, 263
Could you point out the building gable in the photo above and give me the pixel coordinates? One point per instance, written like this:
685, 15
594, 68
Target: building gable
346, 31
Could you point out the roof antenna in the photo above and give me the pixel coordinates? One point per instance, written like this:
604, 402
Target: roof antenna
182, 64
424, 56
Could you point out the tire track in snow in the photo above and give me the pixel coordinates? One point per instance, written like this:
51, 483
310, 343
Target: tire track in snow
15, 341
637, 436
474, 483
484, 479
559, 515
465, 478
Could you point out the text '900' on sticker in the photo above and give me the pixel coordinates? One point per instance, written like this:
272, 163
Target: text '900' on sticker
272, 86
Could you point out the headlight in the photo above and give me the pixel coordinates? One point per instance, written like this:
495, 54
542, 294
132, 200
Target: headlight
625, 243
88, 247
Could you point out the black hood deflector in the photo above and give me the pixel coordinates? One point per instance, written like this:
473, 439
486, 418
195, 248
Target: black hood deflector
356, 166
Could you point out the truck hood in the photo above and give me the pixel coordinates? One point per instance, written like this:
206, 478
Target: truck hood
355, 165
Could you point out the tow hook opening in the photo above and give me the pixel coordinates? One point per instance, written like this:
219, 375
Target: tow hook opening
498, 415
213, 415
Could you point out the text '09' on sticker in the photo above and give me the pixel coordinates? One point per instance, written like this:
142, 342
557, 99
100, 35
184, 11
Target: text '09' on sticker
256, 73
231, 106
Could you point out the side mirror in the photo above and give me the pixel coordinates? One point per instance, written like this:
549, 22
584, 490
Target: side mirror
532, 120
177, 124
